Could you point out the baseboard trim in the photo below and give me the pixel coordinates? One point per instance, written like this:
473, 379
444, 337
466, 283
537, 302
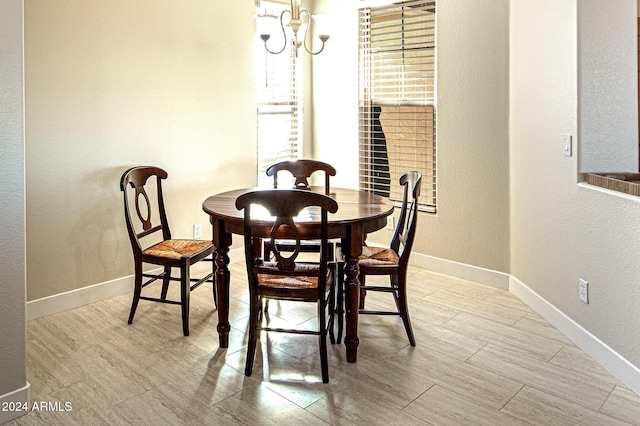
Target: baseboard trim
94, 293
616, 364
75, 298
461, 270
19, 396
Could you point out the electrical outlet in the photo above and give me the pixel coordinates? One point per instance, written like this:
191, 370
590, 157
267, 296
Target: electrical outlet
390, 222
584, 291
197, 230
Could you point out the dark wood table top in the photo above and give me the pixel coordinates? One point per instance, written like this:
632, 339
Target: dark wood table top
355, 207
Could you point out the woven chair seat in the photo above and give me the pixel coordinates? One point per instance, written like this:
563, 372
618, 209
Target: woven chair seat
287, 281
269, 280
175, 249
372, 256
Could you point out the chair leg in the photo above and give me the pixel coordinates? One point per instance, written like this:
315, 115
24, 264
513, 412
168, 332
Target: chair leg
185, 292
215, 294
213, 283
332, 312
363, 293
403, 309
340, 300
137, 291
165, 282
263, 310
254, 315
324, 361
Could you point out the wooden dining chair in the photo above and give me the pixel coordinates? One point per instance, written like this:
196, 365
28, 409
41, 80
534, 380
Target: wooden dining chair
151, 241
302, 170
392, 261
287, 277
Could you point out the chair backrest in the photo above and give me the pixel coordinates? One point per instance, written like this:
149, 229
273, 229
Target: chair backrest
301, 171
146, 200
284, 206
405, 231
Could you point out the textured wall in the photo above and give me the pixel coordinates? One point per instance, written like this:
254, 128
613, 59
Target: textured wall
12, 256
608, 64
562, 231
112, 84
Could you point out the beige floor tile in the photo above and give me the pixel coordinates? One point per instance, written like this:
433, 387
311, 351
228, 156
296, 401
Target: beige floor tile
589, 392
475, 383
495, 312
155, 407
47, 374
572, 358
108, 372
376, 380
258, 405
530, 344
210, 381
623, 404
454, 344
440, 406
534, 324
273, 365
504, 298
343, 406
541, 408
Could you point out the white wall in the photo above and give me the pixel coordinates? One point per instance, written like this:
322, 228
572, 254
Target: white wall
13, 367
335, 92
562, 231
607, 73
472, 223
114, 84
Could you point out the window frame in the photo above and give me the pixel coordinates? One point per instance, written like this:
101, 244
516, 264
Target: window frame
397, 97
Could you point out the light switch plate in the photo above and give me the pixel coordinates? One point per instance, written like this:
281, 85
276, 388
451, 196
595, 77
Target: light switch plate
566, 145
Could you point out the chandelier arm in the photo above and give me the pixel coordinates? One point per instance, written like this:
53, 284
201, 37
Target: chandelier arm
284, 36
306, 12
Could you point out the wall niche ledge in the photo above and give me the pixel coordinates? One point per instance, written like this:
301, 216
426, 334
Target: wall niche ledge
628, 183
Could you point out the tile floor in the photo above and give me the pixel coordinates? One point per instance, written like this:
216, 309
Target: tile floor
482, 358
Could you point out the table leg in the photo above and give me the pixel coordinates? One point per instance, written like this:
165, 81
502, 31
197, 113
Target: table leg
222, 241
352, 249
352, 302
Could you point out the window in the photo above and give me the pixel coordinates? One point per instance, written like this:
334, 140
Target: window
397, 97
278, 80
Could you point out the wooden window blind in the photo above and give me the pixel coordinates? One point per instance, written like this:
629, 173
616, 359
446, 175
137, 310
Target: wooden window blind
397, 117
279, 99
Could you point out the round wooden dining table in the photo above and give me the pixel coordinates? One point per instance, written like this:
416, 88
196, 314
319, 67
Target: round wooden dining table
359, 213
